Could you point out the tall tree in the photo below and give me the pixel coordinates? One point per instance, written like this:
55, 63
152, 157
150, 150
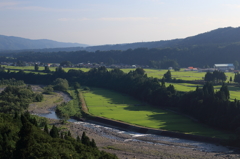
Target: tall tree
85, 139
140, 71
69, 133
93, 144
168, 75
46, 69
224, 89
54, 132
36, 67
46, 128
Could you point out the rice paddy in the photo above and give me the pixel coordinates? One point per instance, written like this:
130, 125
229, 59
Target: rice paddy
113, 105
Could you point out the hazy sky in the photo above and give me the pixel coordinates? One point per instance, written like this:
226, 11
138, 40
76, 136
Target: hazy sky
97, 22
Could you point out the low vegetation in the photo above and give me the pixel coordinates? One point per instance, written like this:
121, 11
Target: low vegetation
71, 108
12, 82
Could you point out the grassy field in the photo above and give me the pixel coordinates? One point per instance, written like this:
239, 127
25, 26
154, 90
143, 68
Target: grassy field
121, 107
233, 90
184, 75
47, 100
186, 87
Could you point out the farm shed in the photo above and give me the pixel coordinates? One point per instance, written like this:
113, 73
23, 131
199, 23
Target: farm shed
224, 67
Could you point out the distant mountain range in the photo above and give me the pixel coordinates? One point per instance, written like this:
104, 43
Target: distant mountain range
220, 37
18, 43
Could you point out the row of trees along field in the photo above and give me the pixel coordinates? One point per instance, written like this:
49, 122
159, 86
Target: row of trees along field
157, 58
213, 108
215, 76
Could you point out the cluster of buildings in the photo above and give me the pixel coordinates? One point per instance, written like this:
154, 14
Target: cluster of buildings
219, 67
94, 65
80, 65
30, 64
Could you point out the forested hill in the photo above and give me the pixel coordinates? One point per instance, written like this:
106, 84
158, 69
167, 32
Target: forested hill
221, 36
153, 44
217, 46
197, 56
218, 37
17, 43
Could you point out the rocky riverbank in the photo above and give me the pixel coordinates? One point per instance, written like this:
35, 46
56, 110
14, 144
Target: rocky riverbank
128, 145
142, 146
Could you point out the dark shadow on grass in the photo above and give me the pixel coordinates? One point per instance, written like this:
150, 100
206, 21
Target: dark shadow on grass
175, 122
119, 98
172, 121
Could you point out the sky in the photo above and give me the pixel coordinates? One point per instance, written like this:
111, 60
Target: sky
99, 22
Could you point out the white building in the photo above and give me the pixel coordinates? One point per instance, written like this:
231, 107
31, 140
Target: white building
223, 67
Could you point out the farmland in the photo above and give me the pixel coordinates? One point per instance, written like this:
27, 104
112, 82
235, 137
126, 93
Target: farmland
186, 87
183, 75
155, 73
113, 105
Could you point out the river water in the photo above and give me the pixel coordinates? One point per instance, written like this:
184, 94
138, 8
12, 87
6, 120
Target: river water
148, 138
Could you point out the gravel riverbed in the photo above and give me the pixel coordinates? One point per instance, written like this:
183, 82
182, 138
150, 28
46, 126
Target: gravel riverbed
128, 145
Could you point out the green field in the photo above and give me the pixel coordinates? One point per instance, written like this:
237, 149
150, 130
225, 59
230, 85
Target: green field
186, 87
233, 90
113, 105
184, 75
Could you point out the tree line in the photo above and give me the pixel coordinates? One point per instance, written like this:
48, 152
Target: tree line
215, 76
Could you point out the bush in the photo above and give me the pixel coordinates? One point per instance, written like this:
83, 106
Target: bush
48, 89
38, 98
60, 84
86, 89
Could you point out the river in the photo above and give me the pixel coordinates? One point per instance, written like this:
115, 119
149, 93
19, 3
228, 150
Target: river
148, 138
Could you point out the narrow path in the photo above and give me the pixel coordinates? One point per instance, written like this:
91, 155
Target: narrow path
84, 106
